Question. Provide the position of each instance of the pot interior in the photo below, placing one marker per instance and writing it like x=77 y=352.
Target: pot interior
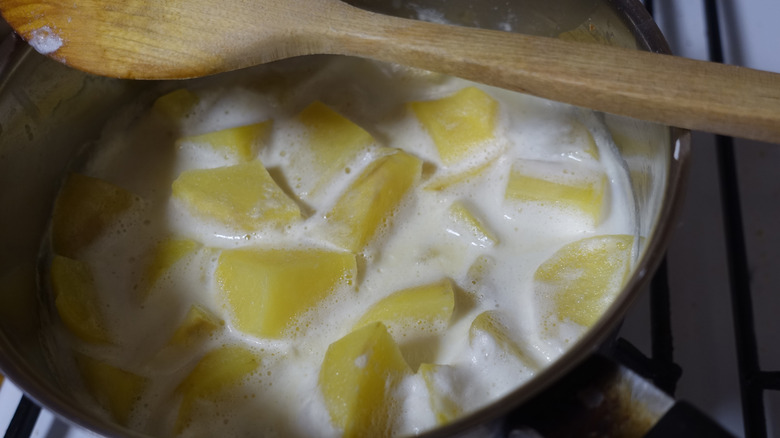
x=49 y=112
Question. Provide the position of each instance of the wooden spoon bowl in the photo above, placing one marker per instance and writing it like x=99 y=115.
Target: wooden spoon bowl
x=172 y=39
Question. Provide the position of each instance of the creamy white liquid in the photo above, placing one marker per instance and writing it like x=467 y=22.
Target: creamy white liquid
x=422 y=246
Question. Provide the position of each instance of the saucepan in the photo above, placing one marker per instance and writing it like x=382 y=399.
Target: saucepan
x=48 y=112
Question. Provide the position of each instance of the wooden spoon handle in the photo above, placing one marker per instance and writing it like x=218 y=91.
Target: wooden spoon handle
x=160 y=39
x=698 y=95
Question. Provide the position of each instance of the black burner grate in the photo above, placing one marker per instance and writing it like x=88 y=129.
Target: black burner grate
x=753 y=381
x=24 y=419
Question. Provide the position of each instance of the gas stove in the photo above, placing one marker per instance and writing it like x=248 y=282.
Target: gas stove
x=706 y=330
x=723 y=258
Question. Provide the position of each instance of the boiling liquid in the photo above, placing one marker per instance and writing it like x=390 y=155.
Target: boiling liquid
x=421 y=245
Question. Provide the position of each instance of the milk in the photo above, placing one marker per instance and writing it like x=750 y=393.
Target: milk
x=138 y=152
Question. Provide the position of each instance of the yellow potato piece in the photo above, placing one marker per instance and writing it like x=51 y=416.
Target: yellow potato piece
x=115 y=389
x=371 y=200
x=266 y=291
x=166 y=254
x=445 y=180
x=197 y=325
x=84 y=209
x=76 y=299
x=243 y=196
x=467 y=220
x=460 y=125
x=331 y=135
x=357 y=378
x=581 y=137
x=215 y=374
x=479 y=271
x=585 y=197
x=240 y=142
x=176 y=104
x=331 y=143
x=583 y=278
x=585 y=34
x=437 y=380
x=489 y=323
x=422 y=308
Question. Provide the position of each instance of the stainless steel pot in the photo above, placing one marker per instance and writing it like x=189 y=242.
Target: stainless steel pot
x=48 y=112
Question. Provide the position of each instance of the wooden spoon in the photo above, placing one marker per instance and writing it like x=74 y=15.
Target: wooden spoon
x=165 y=39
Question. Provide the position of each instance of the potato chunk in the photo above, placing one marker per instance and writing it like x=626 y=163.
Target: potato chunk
x=585 y=33
x=84 y=209
x=176 y=104
x=115 y=389
x=332 y=137
x=584 y=195
x=197 y=325
x=243 y=196
x=475 y=229
x=240 y=142
x=76 y=299
x=442 y=180
x=215 y=374
x=439 y=382
x=582 y=145
x=371 y=200
x=416 y=317
x=268 y=290
x=460 y=125
x=426 y=308
x=166 y=254
x=489 y=324
x=357 y=378
x=331 y=142
x=583 y=278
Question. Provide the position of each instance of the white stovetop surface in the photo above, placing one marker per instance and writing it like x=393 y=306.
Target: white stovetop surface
x=701 y=315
